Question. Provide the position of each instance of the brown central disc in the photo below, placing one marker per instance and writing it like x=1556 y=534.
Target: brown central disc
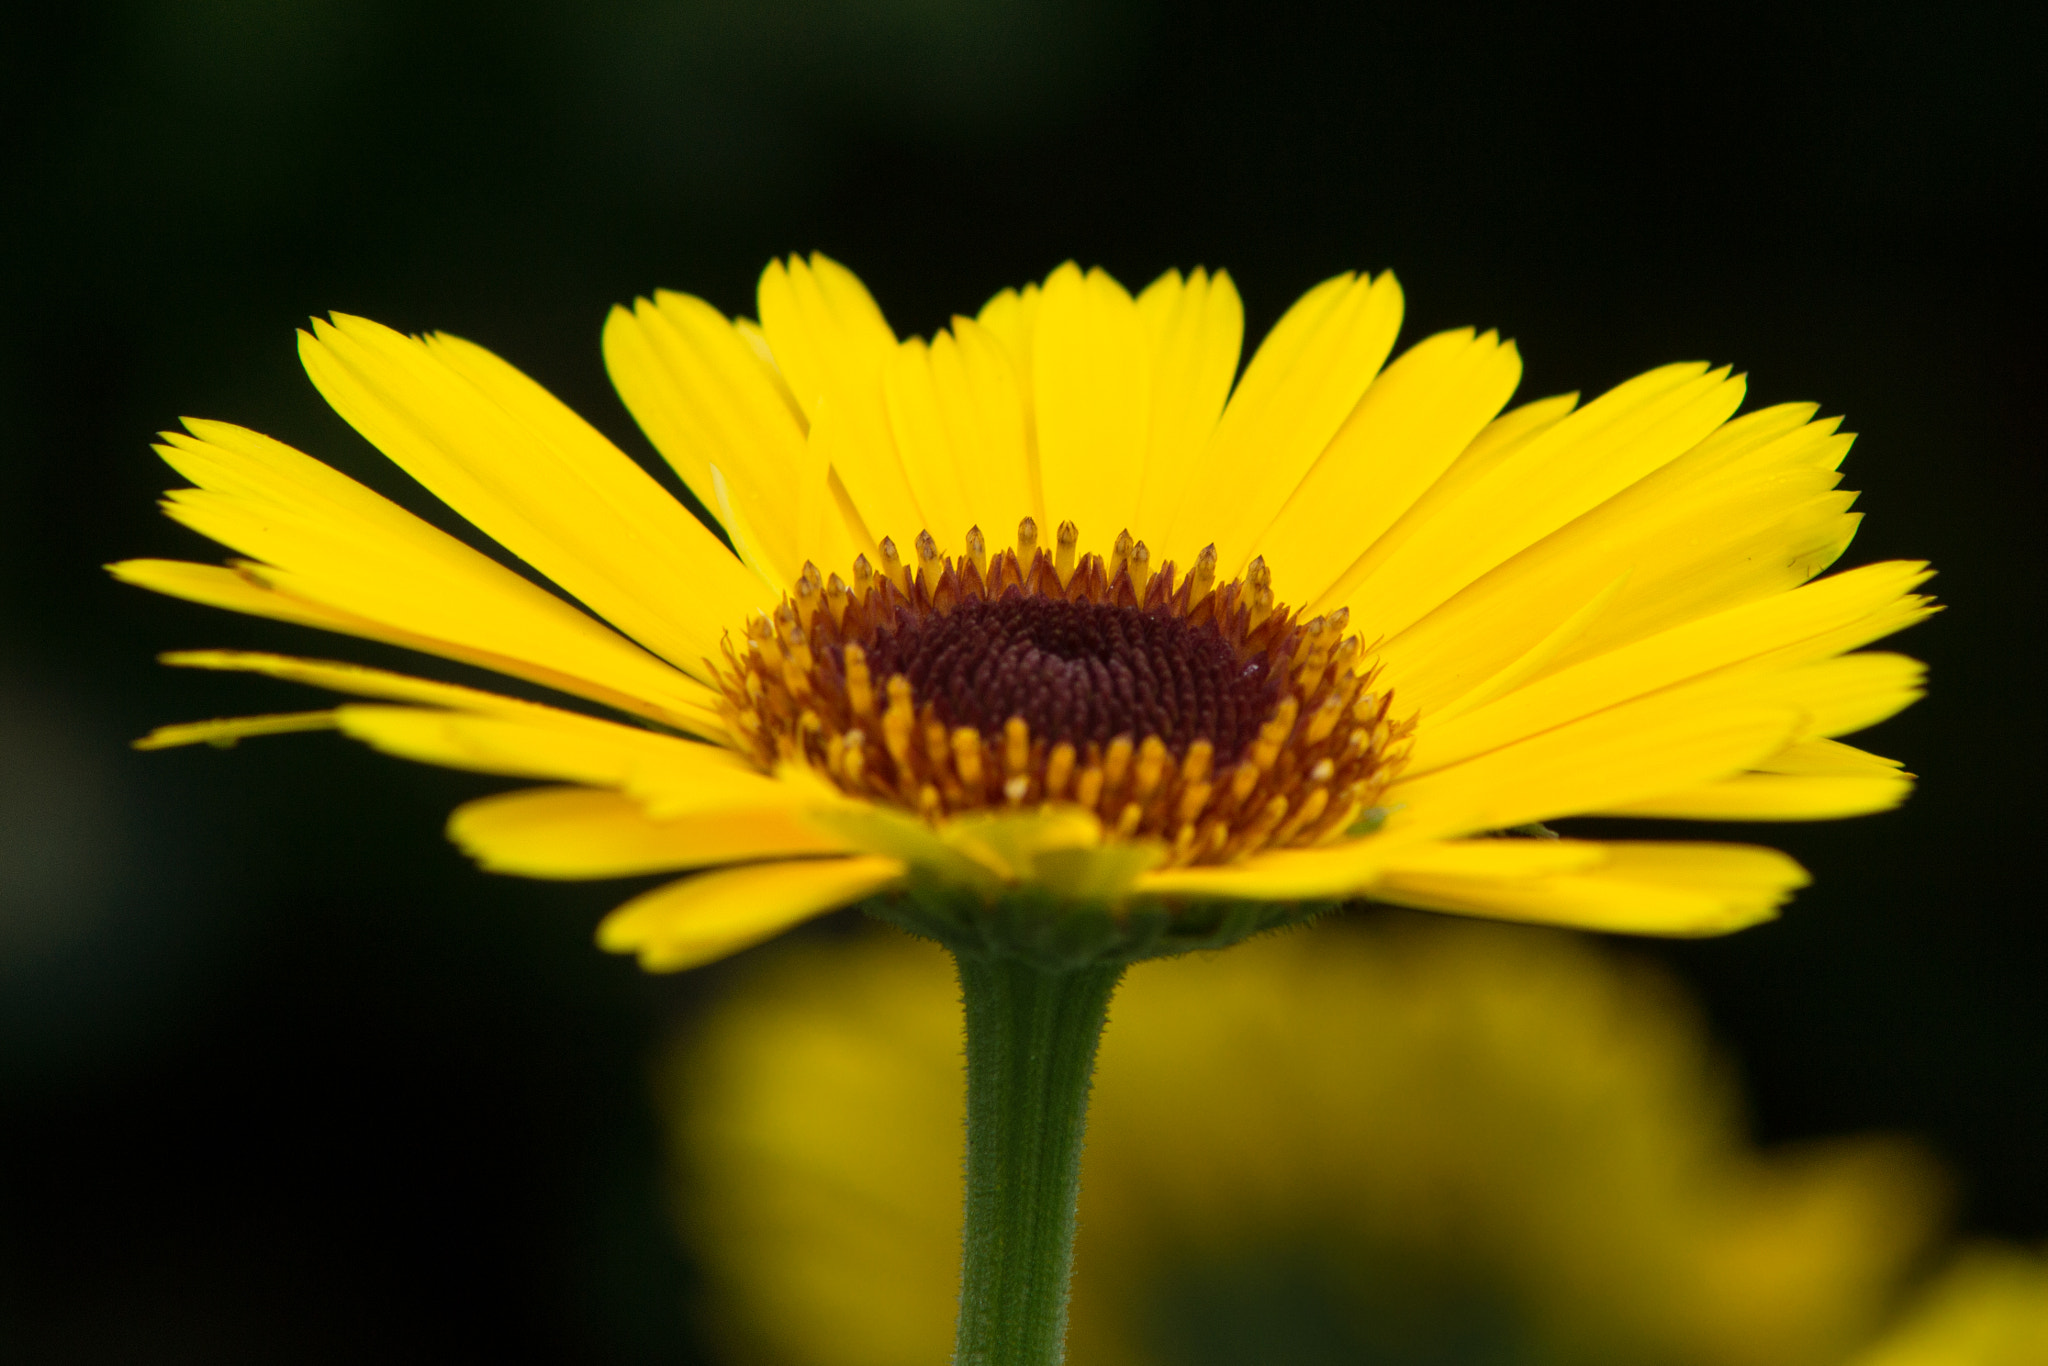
x=1080 y=671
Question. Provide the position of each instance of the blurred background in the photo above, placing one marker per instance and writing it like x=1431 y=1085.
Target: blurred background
x=283 y=1079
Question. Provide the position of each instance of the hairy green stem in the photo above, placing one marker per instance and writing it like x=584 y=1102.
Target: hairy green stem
x=1031 y=1036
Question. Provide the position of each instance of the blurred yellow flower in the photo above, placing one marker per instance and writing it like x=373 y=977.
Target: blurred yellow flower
x=1411 y=1142
x=1006 y=613
x=1989 y=1309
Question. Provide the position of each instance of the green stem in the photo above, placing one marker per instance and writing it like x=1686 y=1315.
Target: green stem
x=1031 y=1036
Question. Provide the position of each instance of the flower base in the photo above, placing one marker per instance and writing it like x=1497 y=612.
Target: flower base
x=1055 y=933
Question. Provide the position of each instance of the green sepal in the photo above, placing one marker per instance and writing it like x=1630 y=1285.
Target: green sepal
x=1036 y=925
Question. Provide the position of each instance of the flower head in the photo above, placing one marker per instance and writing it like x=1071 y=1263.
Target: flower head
x=1057 y=608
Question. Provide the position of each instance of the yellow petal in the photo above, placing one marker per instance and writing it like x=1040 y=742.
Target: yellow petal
x=1354 y=867
x=828 y=527
x=1497 y=500
x=1495 y=858
x=1829 y=613
x=581 y=832
x=239 y=590
x=1195 y=327
x=338 y=546
x=1059 y=847
x=1010 y=841
x=1010 y=319
x=1334 y=872
x=707 y=400
x=1829 y=757
x=1777 y=797
x=1516 y=426
x=1751 y=511
x=1300 y=386
x=670 y=776
x=711 y=915
x=757 y=341
x=1537 y=659
x=958 y=421
x=1416 y=417
x=1646 y=749
x=1828 y=697
x=536 y=478
x=1746 y=515
x=1629 y=887
x=831 y=344
x=1055 y=846
x=896 y=834
x=1000 y=473
x=685 y=706
x=917 y=421
x=1625 y=754
x=356 y=679
x=1091 y=373
x=823 y=327
x=1845 y=695
x=1665 y=889
x=226 y=732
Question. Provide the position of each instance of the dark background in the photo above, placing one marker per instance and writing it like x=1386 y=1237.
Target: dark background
x=282 y=1079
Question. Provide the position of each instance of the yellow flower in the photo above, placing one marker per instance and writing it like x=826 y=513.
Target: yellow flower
x=1408 y=1141
x=1050 y=606
x=1988 y=1309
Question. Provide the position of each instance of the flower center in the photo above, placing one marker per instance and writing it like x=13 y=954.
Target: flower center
x=1205 y=716
x=1081 y=672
